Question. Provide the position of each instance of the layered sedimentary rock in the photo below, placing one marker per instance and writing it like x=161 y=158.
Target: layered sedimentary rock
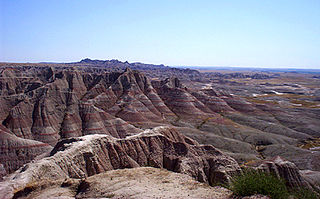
x=97 y=121
x=312 y=177
x=72 y=123
x=49 y=102
x=284 y=169
x=162 y=147
x=212 y=101
x=17 y=151
x=46 y=121
x=184 y=103
x=129 y=96
x=138 y=102
x=177 y=98
x=19 y=120
x=55 y=104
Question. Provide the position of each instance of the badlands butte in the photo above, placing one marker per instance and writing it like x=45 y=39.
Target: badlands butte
x=102 y=129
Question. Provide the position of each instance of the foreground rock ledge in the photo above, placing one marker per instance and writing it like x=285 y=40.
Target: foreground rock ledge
x=161 y=147
x=142 y=182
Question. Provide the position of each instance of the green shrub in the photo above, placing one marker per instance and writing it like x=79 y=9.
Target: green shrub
x=305 y=194
x=252 y=182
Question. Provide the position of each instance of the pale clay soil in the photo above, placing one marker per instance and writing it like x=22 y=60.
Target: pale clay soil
x=143 y=182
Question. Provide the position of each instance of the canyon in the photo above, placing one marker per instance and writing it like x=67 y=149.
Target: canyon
x=79 y=120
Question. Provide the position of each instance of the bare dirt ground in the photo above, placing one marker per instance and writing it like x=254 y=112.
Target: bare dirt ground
x=143 y=182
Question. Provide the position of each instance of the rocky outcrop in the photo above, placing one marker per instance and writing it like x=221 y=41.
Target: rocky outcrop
x=16 y=151
x=161 y=147
x=284 y=169
x=312 y=177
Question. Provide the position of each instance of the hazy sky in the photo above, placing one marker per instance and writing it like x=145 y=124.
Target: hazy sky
x=263 y=33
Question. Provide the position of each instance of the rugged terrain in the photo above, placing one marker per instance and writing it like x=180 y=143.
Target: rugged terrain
x=142 y=182
x=161 y=147
x=250 y=116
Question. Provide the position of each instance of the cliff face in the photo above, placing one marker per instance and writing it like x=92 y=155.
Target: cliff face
x=161 y=147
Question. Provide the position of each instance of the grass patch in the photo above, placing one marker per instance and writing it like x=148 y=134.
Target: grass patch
x=305 y=194
x=305 y=103
x=308 y=144
x=110 y=195
x=252 y=182
x=203 y=122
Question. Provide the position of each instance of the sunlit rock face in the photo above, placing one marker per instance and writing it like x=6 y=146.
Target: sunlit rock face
x=161 y=147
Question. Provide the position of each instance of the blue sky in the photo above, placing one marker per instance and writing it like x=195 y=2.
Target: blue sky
x=254 y=33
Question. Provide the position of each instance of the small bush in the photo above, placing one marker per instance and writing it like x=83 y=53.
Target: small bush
x=305 y=194
x=252 y=182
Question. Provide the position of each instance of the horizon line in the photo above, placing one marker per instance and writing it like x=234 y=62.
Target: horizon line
x=180 y=66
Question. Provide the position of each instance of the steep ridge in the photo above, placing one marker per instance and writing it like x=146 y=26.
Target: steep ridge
x=161 y=147
x=41 y=112
x=134 y=104
x=47 y=103
x=19 y=120
x=52 y=110
x=189 y=110
x=130 y=97
x=17 y=151
x=211 y=99
x=97 y=121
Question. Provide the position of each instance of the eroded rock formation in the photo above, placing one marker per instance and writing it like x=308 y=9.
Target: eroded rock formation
x=50 y=102
x=17 y=151
x=161 y=147
x=284 y=169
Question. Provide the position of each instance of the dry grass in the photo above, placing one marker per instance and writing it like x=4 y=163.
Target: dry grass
x=305 y=103
x=310 y=144
x=295 y=100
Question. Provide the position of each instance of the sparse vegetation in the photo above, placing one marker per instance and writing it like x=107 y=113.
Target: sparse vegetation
x=110 y=195
x=252 y=182
x=305 y=194
x=308 y=144
x=305 y=103
x=202 y=123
